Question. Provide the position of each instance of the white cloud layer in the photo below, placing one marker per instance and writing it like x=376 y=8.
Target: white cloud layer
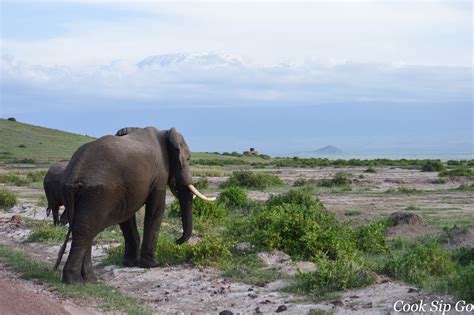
x=410 y=32
x=209 y=79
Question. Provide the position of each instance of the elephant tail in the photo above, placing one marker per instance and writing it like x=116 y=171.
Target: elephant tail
x=68 y=196
x=63 y=248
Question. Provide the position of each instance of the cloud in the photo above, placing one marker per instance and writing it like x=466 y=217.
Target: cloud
x=209 y=79
x=412 y=32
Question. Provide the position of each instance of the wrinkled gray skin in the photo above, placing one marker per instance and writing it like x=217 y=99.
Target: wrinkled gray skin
x=109 y=179
x=52 y=189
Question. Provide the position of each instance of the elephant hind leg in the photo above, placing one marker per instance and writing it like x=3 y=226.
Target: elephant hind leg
x=72 y=271
x=87 y=271
x=132 y=242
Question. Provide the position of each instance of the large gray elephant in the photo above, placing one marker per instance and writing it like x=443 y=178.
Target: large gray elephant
x=109 y=179
x=52 y=189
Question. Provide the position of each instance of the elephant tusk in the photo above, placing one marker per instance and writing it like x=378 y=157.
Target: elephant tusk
x=198 y=194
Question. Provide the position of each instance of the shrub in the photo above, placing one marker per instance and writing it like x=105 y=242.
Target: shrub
x=460 y=171
x=432 y=166
x=297 y=197
x=233 y=197
x=300 y=231
x=333 y=276
x=47 y=232
x=253 y=180
x=418 y=262
x=211 y=250
x=22 y=146
x=201 y=209
x=340 y=179
x=370 y=169
x=7 y=199
x=201 y=183
x=463 y=256
x=300 y=182
x=370 y=238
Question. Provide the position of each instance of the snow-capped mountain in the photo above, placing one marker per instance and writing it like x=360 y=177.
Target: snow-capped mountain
x=199 y=58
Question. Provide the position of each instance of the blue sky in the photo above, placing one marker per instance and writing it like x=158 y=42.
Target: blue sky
x=369 y=77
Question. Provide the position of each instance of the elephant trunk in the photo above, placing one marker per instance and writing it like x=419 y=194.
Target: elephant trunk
x=186 y=205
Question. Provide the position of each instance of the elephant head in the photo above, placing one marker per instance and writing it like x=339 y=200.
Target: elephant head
x=180 y=180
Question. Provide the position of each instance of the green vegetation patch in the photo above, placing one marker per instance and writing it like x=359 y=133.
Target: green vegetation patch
x=107 y=297
x=252 y=180
x=233 y=197
x=432 y=166
x=7 y=199
x=201 y=210
x=460 y=171
x=43 y=231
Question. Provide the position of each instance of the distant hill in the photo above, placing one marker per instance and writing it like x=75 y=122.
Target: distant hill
x=25 y=143
x=327 y=150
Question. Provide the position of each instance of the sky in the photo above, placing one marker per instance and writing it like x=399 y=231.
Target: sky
x=375 y=78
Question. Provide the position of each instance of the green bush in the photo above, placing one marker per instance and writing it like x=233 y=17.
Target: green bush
x=211 y=251
x=339 y=180
x=295 y=196
x=47 y=232
x=298 y=230
x=201 y=209
x=460 y=171
x=417 y=262
x=432 y=166
x=330 y=276
x=463 y=256
x=252 y=180
x=302 y=182
x=201 y=183
x=233 y=197
x=7 y=199
x=370 y=169
x=370 y=238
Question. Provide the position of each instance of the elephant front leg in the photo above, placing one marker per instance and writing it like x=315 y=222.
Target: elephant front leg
x=154 y=210
x=132 y=242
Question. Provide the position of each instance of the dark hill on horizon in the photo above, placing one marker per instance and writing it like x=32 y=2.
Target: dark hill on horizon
x=327 y=150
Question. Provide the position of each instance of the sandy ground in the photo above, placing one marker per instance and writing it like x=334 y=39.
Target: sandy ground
x=186 y=289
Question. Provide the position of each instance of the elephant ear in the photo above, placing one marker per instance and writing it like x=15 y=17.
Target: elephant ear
x=177 y=142
x=125 y=131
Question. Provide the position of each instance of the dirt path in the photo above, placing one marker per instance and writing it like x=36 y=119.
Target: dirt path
x=22 y=297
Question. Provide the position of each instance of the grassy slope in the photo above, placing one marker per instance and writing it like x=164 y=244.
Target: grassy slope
x=43 y=145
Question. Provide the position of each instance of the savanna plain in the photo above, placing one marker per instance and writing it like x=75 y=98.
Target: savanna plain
x=285 y=235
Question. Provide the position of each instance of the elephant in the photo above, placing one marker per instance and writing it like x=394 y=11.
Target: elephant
x=106 y=183
x=52 y=189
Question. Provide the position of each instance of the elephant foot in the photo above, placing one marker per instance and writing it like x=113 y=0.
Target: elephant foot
x=130 y=261
x=72 y=278
x=148 y=263
x=89 y=277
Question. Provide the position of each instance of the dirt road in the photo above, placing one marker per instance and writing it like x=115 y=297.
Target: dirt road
x=22 y=297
